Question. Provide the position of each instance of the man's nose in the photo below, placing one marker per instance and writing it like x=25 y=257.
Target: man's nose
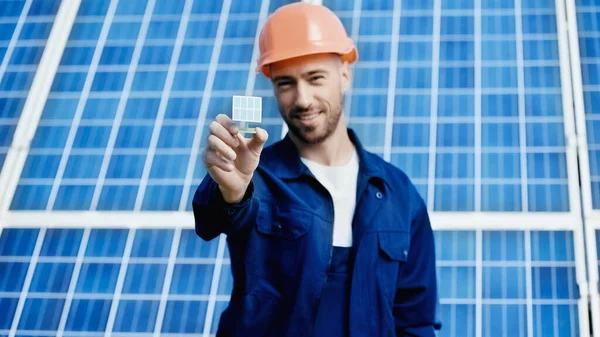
x=302 y=96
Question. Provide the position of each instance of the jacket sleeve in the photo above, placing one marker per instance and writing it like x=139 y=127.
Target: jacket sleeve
x=416 y=303
x=214 y=216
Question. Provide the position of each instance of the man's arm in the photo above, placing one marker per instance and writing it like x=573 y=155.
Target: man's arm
x=416 y=301
x=214 y=216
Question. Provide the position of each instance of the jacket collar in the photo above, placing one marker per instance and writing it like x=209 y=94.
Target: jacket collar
x=288 y=165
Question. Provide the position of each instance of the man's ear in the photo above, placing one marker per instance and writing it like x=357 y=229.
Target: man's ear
x=346 y=76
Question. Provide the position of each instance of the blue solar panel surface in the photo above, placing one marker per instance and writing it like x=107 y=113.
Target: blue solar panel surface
x=24 y=28
x=471 y=97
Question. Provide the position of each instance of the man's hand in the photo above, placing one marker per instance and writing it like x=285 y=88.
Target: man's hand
x=231 y=159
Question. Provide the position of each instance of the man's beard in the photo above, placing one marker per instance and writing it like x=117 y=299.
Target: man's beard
x=304 y=134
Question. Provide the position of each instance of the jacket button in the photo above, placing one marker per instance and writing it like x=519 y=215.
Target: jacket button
x=231 y=212
x=276 y=228
x=378 y=195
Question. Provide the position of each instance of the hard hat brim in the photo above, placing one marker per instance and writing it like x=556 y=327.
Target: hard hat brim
x=346 y=49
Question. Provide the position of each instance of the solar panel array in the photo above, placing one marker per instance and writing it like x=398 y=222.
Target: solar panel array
x=463 y=95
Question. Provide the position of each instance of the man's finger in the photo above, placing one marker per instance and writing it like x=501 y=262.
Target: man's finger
x=218 y=145
x=212 y=159
x=227 y=123
x=221 y=132
x=258 y=140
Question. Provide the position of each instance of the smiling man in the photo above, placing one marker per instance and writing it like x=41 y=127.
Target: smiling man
x=325 y=238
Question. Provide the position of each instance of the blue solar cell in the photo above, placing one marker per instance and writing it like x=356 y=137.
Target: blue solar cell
x=152 y=242
x=117 y=198
x=369 y=133
x=168 y=166
x=206 y=7
x=51 y=277
x=131 y=7
x=141 y=108
x=463 y=77
x=190 y=246
x=156 y=55
x=68 y=81
x=149 y=81
x=462 y=327
x=192 y=279
x=459 y=282
x=548 y=197
x=237 y=53
x=50 y=137
x=338 y=5
x=230 y=80
x=126 y=166
x=41 y=314
x=11 y=107
x=100 y=109
x=501 y=198
x=35 y=30
x=500 y=165
x=43 y=7
x=457 y=51
x=6 y=31
x=413 y=51
x=116 y=55
x=504 y=282
x=455 y=134
x=144 y=278
x=452 y=25
x=458 y=4
x=542 y=76
x=497 y=25
x=15 y=81
x=541 y=50
x=454 y=197
x=539 y=24
x=241 y=28
x=162 y=197
x=543 y=105
x=195 y=54
x=378 y=25
x=416 y=25
x=454 y=165
x=183 y=108
x=547 y=165
x=546 y=316
x=85 y=31
x=124 y=30
x=371 y=78
x=176 y=136
x=497 y=105
x=93 y=7
x=88 y=315
x=2 y=158
x=413 y=164
x=6 y=135
x=8 y=306
x=546 y=279
x=11 y=8
x=545 y=134
x=552 y=246
x=225 y=281
x=61 y=242
x=498 y=50
x=410 y=134
x=108 y=81
x=456 y=105
x=12 y=276
x=106 y=242
x=188 y=322
x=412 y=105
x=504 y=319
x=162 y=29
x=77 y=56
x=205 y=29
x=31 y=197
x=2 y=53
x=169 y=7
x=144 y=311
x=74 y=197
x=497 y=4
x=98 y=278
x=92 y=137
x=500 y=134
x=134 y=136
x=368 y=105
x=188 y=81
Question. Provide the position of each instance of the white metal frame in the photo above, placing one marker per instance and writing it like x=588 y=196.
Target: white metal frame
x=574 y=115
x=591 y=216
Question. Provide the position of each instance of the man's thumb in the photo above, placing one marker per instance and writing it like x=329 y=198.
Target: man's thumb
x=258 y=140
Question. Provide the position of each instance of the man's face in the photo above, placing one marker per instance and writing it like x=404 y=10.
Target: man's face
x=310 y=92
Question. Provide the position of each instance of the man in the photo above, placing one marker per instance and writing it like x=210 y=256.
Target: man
x=325 y=238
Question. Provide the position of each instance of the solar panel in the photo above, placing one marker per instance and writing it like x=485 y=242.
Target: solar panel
x=464 y=96
x=247 y=109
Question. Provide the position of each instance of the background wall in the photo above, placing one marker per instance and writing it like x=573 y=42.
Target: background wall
x=490 y=106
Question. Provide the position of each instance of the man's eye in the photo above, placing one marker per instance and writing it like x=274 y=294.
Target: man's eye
x=316 y=78
x=283 y=84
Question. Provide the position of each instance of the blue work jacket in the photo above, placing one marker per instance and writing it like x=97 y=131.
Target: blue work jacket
x=280 y=240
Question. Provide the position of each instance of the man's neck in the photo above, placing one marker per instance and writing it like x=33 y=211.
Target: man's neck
x=336 y=150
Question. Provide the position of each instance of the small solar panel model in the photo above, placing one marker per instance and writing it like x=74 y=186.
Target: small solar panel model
x=247 y=109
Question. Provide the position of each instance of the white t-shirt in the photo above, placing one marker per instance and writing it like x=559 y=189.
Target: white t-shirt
x=340 y=181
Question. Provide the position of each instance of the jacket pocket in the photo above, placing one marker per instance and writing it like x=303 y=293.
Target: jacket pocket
x=394 y=245
x=280 y=222
x=250 y=315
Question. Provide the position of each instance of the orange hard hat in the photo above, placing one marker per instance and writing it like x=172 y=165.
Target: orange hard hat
x=300 y=29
